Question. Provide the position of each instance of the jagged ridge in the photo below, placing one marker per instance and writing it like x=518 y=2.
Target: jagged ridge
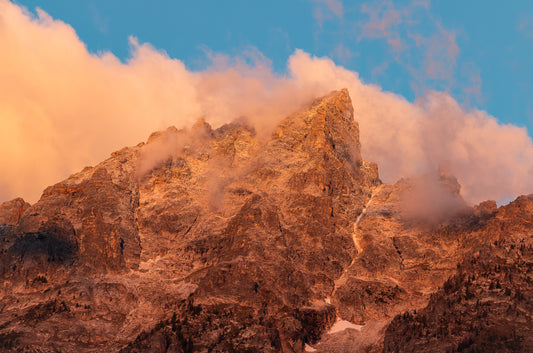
x=219 y=240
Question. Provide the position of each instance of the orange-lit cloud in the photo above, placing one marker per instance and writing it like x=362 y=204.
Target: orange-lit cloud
x=62 y=108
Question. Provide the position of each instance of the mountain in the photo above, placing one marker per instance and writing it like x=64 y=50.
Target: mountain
x=227 y=240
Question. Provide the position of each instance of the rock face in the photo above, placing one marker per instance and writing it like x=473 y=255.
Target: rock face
x=221 y=240
x=11 y=211
x=486 y=306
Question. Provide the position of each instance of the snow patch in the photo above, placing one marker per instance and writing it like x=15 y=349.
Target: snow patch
x=341 y=325
x=308 y=348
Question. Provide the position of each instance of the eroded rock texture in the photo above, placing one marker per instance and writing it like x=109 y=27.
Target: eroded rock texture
x=486 y=306
x=222 y=240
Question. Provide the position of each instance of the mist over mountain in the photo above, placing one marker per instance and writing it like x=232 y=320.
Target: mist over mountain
x=63 y=108
x=231 y=239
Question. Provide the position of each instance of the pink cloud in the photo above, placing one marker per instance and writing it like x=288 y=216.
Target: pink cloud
x=334 y=6
x=472 y=90
x=441 y=54
x=429 y=56
x=342 y=53
x=525 y=25
x=396 y=44
x=383 y=17
x=327 y=9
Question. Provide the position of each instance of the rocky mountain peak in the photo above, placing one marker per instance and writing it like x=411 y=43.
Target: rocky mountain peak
x=222 y=240
x=326 y=127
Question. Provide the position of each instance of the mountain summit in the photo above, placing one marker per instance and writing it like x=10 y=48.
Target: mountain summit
x=222 y=240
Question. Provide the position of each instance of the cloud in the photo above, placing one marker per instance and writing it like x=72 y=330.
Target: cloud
x=62 y=108
x=472 y=88
x=525 y=24
x=100 y=23
x=342 y=53
x=327 y=9
x=383 y=18
x=441 y=54
x=417 y=40
x=432 y=197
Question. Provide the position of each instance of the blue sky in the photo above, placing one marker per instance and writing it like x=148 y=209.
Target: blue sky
x=478 y=51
